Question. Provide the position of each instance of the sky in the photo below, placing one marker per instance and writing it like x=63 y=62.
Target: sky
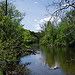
x=35 y=12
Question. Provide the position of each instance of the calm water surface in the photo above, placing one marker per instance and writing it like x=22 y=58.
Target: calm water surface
x=51 y=62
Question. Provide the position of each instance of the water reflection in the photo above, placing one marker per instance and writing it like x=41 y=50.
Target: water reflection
x=47 y=61
x=61 y=58
x=51 y=61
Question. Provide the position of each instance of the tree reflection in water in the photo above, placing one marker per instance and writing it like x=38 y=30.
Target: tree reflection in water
x=63 y=58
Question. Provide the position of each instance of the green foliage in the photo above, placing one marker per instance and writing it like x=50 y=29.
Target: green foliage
x=14 y=40
x=13 y=37
x=61 y=35
x=10 y=39
x=49 y=35
x=1 y=72
x=12 y=12
x=66 y=30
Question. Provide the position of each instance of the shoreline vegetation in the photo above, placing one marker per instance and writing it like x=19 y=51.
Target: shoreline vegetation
x=61 y=35
x=15 y=41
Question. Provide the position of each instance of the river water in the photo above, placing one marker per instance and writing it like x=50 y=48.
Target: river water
x=51 y=61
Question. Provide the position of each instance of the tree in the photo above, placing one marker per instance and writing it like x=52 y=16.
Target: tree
x=61 y=35
x=11 y=11
x=49 y=34
x=6 y=7
x=12 y=37
x=66 y=29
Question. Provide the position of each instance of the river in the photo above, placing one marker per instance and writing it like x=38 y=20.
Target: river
x=51 y=61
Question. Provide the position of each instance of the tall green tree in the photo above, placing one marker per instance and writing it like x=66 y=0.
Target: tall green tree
x=49 y=34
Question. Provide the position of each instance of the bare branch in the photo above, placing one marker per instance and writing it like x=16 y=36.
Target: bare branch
x=62 y=5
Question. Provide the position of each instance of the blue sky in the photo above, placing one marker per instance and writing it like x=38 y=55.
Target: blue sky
x=35 y=11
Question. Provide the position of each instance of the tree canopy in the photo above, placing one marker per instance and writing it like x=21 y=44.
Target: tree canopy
x=61 y=35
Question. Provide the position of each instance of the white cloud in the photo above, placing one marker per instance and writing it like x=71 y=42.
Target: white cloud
x=37 y=27
x=35 y=20
x=35 y=2
x=59 y=20
x=44 y=20
x=65 y=5
x=47 y=19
